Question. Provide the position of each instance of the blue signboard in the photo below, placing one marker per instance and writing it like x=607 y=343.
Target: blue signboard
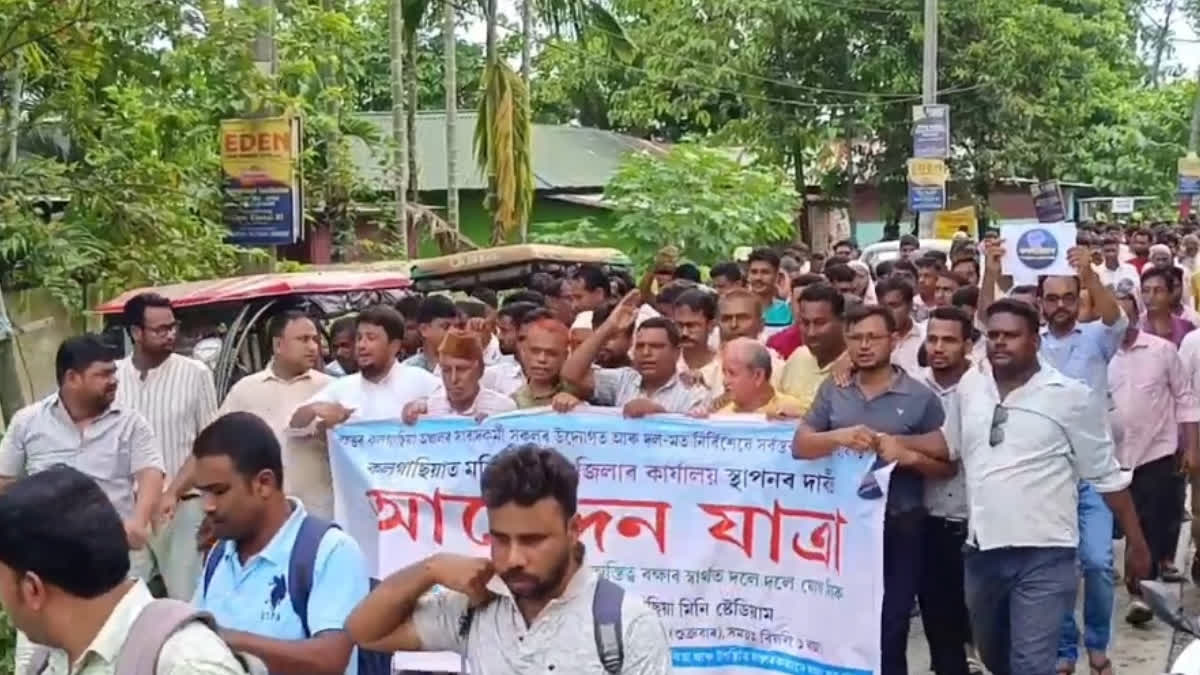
x=923 y=198
x=931 y=131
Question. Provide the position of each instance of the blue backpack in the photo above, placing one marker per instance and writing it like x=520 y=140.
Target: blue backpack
x=301 y=568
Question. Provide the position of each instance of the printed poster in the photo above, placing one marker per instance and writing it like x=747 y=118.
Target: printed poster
x=261 y=185
x=1031 y=251
x=756 y=562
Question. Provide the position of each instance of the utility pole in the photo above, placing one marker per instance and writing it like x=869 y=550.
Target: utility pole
x=929 y=90
x=399 y=132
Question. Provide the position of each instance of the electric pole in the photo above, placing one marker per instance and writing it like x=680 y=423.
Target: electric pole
x=929 y=91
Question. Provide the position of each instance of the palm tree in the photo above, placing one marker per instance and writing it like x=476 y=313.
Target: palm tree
x=399 y=133
x=449 y=76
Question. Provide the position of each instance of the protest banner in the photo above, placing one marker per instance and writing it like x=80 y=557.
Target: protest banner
x=1035 y=250
x=261 y=186
x=754 y=560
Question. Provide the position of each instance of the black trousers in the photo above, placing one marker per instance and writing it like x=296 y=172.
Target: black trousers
x=902 y=553
x=1155 y=491
x=942 y=598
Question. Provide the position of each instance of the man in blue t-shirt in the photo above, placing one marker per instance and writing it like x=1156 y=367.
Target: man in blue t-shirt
x=247 y=587
x=763 y=279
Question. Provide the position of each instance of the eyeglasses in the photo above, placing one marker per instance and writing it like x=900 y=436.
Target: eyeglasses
x=999 y=417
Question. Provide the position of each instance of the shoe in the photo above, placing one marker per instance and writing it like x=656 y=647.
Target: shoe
x=1139 y=613
x=1196 y=569
x=1169 y=574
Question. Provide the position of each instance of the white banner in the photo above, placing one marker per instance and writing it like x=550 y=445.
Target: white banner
x=754 y=560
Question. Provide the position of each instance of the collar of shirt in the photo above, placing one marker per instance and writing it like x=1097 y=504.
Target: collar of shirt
x=278 y=551
x=899 y=384
x=112 y=635
x=1142 y=341
x=420 y=360
x=268 y=374
x=926 y=378
x=55 y=406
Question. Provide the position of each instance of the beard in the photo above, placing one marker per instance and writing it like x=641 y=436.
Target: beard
x=539 y=588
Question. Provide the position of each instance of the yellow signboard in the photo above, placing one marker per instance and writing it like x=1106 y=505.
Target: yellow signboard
x=947 y=223
x=927 y=172
x=1189 y=166
x=260 y=165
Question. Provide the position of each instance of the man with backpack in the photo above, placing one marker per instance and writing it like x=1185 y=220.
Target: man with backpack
x=64 y=581
x=279 y=581
x=534 y=607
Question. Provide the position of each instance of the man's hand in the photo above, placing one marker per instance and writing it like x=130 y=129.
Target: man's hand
x=890 y=449
x=700 y=412
x=166 y=507
x=858 y=437
x=1137 y=561
x=623 y=316
x=1189 y=464
x=478 y=327
x=787 y=411
x=137 y=534
x=564 y=402
x=331 y=414
x=993 y=255
x=641 y=407
x=842 y=370
x=464 y=574
x=1080 y=257
x=413 y=411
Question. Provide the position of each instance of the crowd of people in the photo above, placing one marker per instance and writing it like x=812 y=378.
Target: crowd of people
x=1031 y=421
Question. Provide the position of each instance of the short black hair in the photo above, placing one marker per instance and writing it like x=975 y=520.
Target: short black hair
x=532 y=297
x=280 y=322
x=688 y=271
x=670 y=293
x=952 y=276
x=664 y=324
x=526 y=474
x=730 y=270
x=79 y=352
x=904 y=265
x=534 y=315
x=435 y=307
x=246 y=440
x=593 y=279
x=343 y=325
x=909 y=240
x=472 y=309
x=931 y=259
x=844 y=242
x=385 y=317
x=967 y=296
x=884 y=268
x=59 y=525
x=1019 y=309
x=823 y=292
x=134 y=312
x=540 y=282
x=971 y=260
x=485 y=295
x=409 y=306
x=698 y=300
x=516 y=310
x=766 y=255
x=840 y=272
x=1042 y=283
x=1170 y=280
x=1023 y=289
x=957 y=315
x=621 y=281
x=804 y=280
x=859 y=313
x=895 y=285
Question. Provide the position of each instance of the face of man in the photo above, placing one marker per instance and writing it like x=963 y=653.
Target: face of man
x=821 y=328
x=583 y=300
x=943 y=291
x=1139 y=244
x=532 y=546
x=1011 y=346
x=843 y=253
x=694 y=327
x=664 y=276
x=847 y=288
x=434 y=332
x=506 y=335
x=926 y=279
x=95 y=386
x=907 y=251
x=560 y=305
x=723 y=284
x=762 y=277
x=543 y=354
x=869 y=343
x=1156 y=295
x=1112 y=252
x=967 y=270
x=1162 y=259
x=298 y=347
x=374 y=351
x=233 y=504
x=900 y=309
x=653 y=355
x=461 y=379
x=742 y=383
x=412 y=337
x=1191 y=247
x=615 y=352
x=739 y=317
x=906 y=276
x=156 y=335
x=343 y=350
x=945 y=345
x=1060 y=302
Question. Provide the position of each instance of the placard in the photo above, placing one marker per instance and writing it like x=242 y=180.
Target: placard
x=1048 y=202
x=755 y=561
x=1037 y=250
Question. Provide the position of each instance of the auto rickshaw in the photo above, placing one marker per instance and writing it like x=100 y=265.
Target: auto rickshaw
x=507 y=267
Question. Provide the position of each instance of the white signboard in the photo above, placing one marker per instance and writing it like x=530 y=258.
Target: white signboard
x=1031 y=251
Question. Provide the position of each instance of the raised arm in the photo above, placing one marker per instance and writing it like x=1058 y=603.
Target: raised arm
x=577 y=369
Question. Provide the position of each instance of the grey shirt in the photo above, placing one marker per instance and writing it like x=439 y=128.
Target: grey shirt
x=618 y=386
x=559 y=640
x=907 y=408
x=111 y=449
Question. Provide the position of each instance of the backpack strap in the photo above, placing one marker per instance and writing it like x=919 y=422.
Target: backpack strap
x=606 y=622
x=156 y=623
x=303 y=563
x=211 y=562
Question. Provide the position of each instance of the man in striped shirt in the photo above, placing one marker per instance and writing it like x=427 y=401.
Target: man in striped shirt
x=177 y=397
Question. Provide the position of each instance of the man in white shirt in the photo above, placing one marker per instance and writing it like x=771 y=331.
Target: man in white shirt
x=381 y=387
x=1026 y=435
x=1189 y=354
x=177 y=396
x=460 y=363
x=1117 y=275
x=897 y=297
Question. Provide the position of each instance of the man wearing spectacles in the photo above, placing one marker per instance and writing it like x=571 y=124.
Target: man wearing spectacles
x=177 y=396
x=1027 y=435
x=884 y=410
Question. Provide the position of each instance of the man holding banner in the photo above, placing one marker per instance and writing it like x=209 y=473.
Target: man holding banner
x=532 y=605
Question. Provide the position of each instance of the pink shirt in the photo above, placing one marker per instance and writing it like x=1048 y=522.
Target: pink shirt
x=1151 y=394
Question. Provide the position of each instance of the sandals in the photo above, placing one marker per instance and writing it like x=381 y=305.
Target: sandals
x=1103 y=668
